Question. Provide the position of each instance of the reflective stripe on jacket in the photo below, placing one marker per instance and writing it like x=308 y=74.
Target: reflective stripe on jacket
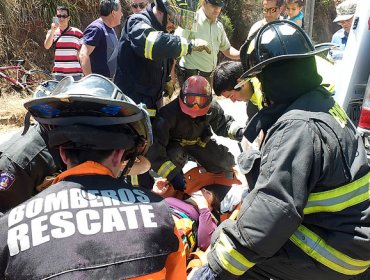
x=312 y=191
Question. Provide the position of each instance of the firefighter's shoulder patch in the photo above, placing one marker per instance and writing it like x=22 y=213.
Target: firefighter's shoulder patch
x=6 y=180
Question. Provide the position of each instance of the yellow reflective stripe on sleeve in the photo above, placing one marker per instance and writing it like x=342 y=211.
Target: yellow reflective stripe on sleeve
x=166 y=168
x=184 y=47
x=314 y=246
x=151 y=112
x=184 y=142
x=339 y=198
x=149 y=43
x=134 y=180
x=231 y=260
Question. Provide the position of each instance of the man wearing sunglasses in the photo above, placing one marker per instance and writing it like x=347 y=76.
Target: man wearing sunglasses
x=138 y=5
x=271 y=10
x=184 y=127
x=66 y=40
x=211 y=30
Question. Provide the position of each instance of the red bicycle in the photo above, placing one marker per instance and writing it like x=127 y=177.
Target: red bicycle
x=22 y=79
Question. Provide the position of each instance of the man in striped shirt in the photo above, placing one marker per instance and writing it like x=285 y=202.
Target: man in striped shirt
x=66 y=41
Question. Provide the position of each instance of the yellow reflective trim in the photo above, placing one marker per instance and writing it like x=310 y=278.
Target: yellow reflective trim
x=151 y=112
x=198 y=141
x=184 y=47
x=149 y=44
x=166 y=168
x=134 y=180
x=230 y=258
x=339 y=262
x=315 y=198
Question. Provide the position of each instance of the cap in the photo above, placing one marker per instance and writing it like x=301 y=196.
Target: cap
x=218 y=3
x=345 y=10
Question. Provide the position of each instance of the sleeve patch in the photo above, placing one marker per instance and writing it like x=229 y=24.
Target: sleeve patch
x=6 y=180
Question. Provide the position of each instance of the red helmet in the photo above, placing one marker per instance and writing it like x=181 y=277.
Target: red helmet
x=195 y=96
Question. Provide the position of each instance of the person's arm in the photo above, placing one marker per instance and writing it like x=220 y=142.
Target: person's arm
x=272 y=212
x=155 y=45
x=49 y=39
x=223 y=124
x=84 y=56
x=232 y=53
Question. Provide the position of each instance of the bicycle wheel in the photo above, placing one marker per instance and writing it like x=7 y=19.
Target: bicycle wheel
x=33 y=78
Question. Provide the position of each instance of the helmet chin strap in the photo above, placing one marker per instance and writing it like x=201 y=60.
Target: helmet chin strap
x=130 y=163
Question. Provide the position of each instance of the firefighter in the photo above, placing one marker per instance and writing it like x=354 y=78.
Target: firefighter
x=308 y=214
x=147 y=49
x=184 y=127
x=89 y=224
x=26 y=163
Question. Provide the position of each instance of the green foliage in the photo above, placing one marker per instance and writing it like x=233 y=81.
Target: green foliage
x=228 y=25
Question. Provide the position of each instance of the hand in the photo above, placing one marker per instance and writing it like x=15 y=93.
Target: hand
x=199 y=199
x=199 y=45
x=54 y=27
x=203 y=273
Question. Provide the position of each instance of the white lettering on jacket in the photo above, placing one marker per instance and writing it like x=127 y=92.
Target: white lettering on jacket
x=40 y=220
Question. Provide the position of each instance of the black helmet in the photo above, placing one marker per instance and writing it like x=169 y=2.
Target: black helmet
x=277 y=40
x=92 y=106
x=182 y=13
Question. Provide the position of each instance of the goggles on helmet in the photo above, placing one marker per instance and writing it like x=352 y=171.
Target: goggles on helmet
x=200 y=99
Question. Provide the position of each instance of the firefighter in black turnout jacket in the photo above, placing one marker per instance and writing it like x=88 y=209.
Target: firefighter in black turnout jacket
x=26 y=163
x=308 y=215
x=184 y=127
x=90 y=224
x=147 y=49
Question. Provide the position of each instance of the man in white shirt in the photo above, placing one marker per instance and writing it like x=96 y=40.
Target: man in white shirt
x=211 y=30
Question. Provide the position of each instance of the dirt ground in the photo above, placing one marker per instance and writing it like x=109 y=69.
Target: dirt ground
x=11 y=110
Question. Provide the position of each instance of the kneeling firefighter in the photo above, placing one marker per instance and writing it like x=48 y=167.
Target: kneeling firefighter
x=308 y=215
x=90 y=224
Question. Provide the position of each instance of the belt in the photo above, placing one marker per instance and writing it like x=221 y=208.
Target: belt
x=191 y=72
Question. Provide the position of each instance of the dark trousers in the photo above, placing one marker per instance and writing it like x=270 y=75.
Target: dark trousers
x=183 y=73
x=213 y=157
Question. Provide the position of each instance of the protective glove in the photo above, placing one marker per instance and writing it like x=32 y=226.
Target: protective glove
x=239 y=134
x=204 y=273
x=178 y=182
x=198 y=45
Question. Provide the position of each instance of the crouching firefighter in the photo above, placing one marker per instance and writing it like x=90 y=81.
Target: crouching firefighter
x=308 y=215
x=184 y=127
x=89 y=224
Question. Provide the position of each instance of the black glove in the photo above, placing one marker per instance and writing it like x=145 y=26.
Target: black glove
x=178 y=182
x=204 y=273
x=239 y=134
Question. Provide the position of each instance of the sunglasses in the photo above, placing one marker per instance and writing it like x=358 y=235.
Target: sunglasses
x=62 y=16
x=270 y=10
x=140 y=5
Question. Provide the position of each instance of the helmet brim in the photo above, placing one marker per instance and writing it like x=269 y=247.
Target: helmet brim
x=63 y=107
x=259 y=67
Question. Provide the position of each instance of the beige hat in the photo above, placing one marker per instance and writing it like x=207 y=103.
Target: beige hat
x=345 y=10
